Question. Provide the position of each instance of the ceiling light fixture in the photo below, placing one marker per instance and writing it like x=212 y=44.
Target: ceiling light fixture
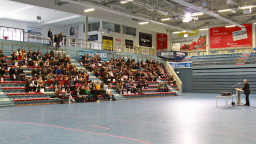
x=225 y=10
x=204 y=29
x=246 y=7
x=176 y=32
x=89 y=10
x=197 y=14
x=230 y=26
x=142 y=23
x=125 y=1
x=166 y=19
x=187 y=18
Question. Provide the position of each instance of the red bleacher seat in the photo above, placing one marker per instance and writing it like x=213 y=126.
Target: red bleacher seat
x=149 y=93
x=10 y=94
x=13 y=82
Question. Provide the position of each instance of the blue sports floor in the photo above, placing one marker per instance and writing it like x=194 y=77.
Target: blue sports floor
x=187 y=119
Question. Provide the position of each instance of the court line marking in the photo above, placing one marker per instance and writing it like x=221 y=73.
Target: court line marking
x=99 y=127
x=116 y=136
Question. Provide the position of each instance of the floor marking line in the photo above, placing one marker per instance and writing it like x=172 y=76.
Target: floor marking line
x=99 y=127
x=77 y=130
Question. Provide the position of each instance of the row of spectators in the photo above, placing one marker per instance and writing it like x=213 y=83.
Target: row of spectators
x=59 y=73
x=129 y=76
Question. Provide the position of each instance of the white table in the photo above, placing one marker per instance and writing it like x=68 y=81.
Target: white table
x=226 y=97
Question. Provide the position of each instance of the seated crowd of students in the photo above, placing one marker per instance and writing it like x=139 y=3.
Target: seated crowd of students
x=58 y=72
x=130 y=77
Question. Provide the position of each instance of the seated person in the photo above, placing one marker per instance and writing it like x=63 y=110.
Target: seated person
x=133 y=88
x=72 y=84
x=58 y=93
x=12 y=73
x=3 y=63
x=97 y=87
x=20 y=74
x=35 y=60
x=20 y=59
x=27 y=86
x=82 y=94
x=139 y=87
x=2 y=73
x=160 y=87
x=41 y=87
x=50 y=79
x=166 y=88
x=119 y=87
x=171 y=80
x=34 y=84
x=108 y=94
x=68 y=94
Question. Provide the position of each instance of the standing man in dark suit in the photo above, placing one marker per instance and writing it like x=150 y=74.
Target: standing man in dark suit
x=246 y=90
x=50 y=36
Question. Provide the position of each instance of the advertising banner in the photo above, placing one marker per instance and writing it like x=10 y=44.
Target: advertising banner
x=103 y=55
x=107 y=43
x=33 y=30
x=176 y=65
x=161 y=41
x=129 y=43
x=226 y=37
x=145 y=39
x=74 y=31
x=189 y=41
x=172 y=55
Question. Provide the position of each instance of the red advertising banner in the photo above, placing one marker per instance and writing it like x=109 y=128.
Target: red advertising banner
x=225 y=37
x=161 y=41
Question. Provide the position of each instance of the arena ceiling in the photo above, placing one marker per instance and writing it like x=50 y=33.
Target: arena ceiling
x=174 y=13
x=131 y=12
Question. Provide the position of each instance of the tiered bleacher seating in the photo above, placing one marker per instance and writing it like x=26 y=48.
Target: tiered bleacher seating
x=152 y=90
x=251 y=58
x=15 y=90
x=221 y=59
x=209 y=77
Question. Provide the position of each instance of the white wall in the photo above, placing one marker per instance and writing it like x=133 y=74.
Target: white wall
x=24 y=25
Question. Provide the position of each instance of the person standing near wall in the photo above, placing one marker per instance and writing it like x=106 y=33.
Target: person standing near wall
x=50 y=36
x=246 y=90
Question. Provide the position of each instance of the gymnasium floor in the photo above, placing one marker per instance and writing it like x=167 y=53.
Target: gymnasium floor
x=187 y=119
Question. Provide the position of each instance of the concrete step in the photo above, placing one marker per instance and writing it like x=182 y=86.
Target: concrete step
x=7 y=105
x=4 y=99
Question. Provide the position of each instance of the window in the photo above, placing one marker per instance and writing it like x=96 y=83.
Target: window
x=111 y=27
x=11 y=34
x=129 y=30
x=93 y=26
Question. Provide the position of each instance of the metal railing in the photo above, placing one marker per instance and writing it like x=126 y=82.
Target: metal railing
x=82 y=43
x=176 y=77
x=220 y=51
x=8 y=48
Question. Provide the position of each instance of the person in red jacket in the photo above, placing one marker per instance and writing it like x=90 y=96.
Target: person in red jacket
x=19 y=58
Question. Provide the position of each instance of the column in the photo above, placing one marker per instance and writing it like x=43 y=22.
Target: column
x=122 y=38
x=253 y=36
x=208 y=42
x=100 y=34
x=169 y=35
x=86 y=31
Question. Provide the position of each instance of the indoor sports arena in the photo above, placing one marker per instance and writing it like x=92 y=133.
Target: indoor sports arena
x=127 y=71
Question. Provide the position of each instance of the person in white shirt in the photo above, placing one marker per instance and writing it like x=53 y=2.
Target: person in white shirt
x=108 y=93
